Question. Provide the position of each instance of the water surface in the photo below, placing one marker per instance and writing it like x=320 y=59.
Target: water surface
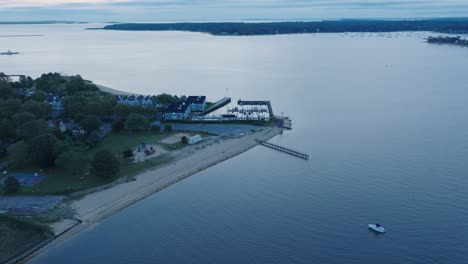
x=383 y=117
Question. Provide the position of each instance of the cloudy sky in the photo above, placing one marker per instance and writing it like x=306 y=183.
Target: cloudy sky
x=216 y=10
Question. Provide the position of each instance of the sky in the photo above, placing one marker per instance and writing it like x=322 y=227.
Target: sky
x=225 y=10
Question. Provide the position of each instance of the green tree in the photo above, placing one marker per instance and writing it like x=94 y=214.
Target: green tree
x=41 y=150
x=22 y=117
x=18 y=155
x=105 y=164
x=9 y=107
x=7 y=129
x=40 y=109
x=118 y=125
x=137 y=122
x=26 y=81
x=91 y=123
x=5 y=90
x=32 y=128
x=38 y=96
x=75 y=84
x=74 y=105
x=74 y=162
x=11 y=185
x=60 y=146
x=93 y=108
x=166 y=98
x=168 y=127
x=121 y=109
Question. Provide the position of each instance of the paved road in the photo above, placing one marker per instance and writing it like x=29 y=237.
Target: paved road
x=229 y=130
x=28 y=204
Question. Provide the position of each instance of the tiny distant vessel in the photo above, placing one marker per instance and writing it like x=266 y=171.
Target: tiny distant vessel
x=376 y=228
x=9 y=53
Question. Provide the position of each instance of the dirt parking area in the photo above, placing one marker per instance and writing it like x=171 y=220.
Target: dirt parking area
x=174 y=138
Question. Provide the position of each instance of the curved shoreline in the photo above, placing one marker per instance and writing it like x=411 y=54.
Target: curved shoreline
x=95 y=207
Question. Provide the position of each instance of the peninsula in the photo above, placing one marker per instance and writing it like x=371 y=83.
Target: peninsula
x=448 y=40
x=274 y=28
x=77 y=152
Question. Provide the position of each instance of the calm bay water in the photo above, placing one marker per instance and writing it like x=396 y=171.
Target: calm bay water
x=384 y=118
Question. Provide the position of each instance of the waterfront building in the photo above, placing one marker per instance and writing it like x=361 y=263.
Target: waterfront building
x=177 y=111
x=197 y=103
x=141 y=100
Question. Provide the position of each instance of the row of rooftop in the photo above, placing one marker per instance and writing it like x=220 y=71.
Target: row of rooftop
x=183 y=110
x=180 y=110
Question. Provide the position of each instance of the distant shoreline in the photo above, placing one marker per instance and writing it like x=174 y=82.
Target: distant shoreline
x=457 y=41
x=39 y=22
x=20 y=36
x=459 y=26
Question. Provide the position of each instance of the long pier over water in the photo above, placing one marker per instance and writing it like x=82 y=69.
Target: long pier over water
x=291 y=152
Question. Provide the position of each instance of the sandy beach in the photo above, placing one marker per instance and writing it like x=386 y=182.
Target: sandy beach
x=95 y=207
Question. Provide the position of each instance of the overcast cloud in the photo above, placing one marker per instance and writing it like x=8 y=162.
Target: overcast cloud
x=216 y=10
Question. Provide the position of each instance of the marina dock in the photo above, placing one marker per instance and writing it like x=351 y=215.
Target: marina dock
x=279 y=148
x=216 y=106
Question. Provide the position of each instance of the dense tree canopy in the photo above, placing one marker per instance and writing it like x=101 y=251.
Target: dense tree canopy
x=40 y=109
x=91 y=123
x=7 y=129
x=41 y=150
x=105 y=164
x=5 y=90
x=22 y=117
x=137 y=122
x=9 y=107
x=36 y=133
x=32 y=129
x=18 y=155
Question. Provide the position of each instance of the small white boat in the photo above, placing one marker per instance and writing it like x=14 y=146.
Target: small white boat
x=376 y=228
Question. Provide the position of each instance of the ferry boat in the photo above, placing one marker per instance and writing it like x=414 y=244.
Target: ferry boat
x=9 y=53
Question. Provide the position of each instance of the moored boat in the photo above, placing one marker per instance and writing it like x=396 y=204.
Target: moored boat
x=376 y=228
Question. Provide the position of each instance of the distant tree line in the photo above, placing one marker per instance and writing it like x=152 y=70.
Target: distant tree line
x=338 y=26
x=448 y=40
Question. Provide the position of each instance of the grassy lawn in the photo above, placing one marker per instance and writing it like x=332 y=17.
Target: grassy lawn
x=58 y=182
x=17 y=236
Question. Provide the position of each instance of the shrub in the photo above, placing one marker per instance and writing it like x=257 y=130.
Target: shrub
x=11 y=185
x=156 y=128
x=137 y=122
x=127 y=153
x=105 y=164
x=168 y=127
x=118 y=125
x=184 y=140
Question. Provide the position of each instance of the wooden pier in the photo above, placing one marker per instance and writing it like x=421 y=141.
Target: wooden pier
x=291 y=152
